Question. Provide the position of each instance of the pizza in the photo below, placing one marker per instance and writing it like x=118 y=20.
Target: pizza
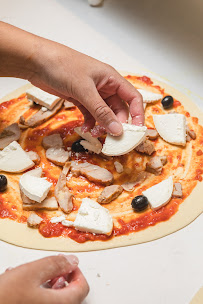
x=65 y=190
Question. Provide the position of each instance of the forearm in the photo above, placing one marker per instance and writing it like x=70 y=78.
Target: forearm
x=16 y=51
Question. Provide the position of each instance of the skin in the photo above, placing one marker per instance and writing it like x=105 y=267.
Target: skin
x=99 y=91
x=103 y=96
x=25 y=282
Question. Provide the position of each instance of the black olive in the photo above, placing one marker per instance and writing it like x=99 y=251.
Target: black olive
x=3 y=183
x=77 y=147
x=167 y=102
x=140 y=203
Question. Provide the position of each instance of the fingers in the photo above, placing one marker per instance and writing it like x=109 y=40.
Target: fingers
x=74 y=293
x=100 y=110
x=119 y=107
x=126 y=91
x=47 y=268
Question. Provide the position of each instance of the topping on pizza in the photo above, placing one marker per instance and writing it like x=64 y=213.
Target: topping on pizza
x=149 y=97
x=93 y=173
x=172 y=128
x=14 y=159
x=119 y=145
x=52 y=141
x=34 y=220
x=9 y=134
x=90 y=143
x=160 y=194
x=92 y=217
x=34 y=157
x=42 y=98
x=109 y=194
x=57 y=155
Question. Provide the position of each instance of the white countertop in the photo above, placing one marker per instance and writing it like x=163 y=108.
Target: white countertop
x=136 y=36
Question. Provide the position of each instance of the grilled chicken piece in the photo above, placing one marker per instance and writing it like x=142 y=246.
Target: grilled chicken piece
x=9 y=134
x=68 y=105
x=152 y=134
x=190 y=134
x=52 y=141
x=118 y=167
x=34 y=157
x=92 y=172
x=177 y=190
x=49 y=203
x=62 y=194
x=130 y=185
x=41 y=116
x=58 y=156
x=156 y=163
x=34 y=220
x=109 y=194
x=146 y=147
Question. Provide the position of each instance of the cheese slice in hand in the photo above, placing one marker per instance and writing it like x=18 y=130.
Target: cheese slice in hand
x=119 y=145
x=14 y=159
x=159 y=194
x=94 y=218
x=171 y=127
x=35 y=188
x=149 y=97
x=42 y=98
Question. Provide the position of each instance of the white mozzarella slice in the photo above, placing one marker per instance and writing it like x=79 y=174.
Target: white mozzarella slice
x=94 y=218
x=150 y=97
x=171 y=127
x=67 y=223
x=14 y=159
x=35 y=172
x=42 y=98
x=57 y=219
x=119 y=145
x=160 y=194
x=35 y=188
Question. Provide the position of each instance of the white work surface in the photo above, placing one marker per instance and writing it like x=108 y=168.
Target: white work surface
x=165 y=38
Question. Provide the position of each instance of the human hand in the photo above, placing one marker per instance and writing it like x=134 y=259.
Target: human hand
x=23 y=284
x=99 y=91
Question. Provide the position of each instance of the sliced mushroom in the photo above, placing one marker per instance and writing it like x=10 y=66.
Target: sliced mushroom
x=62 y=194
x=34 y=220
x=9 y=134
x=190 y=134
x=109 y=194
x=41 y=116
x=51 y=141
x=58 y=156
x=90 y=143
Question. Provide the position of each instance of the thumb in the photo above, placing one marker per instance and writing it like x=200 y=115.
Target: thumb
x=40 y=271
x=103 y=114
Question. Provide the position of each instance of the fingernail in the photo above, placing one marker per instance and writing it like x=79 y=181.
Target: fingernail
x=72 y=259
x=115 y=128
